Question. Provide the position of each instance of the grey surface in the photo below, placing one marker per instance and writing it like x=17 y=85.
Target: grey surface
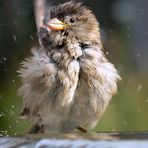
x=103 y=140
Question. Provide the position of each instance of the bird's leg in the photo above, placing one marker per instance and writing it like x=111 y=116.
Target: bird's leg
x=36 y=129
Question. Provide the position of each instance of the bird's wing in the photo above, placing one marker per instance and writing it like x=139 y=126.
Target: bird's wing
x=38 y=77
x=46 y=83
x=97 y=84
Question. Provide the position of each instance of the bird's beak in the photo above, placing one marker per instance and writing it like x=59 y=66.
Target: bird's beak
x=55 y=24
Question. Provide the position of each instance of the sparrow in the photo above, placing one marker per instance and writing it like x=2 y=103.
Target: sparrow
x=68 y=82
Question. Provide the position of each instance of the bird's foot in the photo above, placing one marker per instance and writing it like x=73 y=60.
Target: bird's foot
x=82 y=129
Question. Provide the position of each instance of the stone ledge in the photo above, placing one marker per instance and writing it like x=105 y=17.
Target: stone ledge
x=102 y=140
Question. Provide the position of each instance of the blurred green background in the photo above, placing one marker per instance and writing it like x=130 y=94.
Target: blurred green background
x=124 y=30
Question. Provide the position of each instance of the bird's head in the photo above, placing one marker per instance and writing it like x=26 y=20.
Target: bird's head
x=73 y=18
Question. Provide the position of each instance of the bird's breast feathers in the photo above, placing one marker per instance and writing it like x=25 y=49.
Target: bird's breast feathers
x=87 y=83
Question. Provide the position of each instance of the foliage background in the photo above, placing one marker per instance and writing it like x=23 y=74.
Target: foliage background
x=124 y=30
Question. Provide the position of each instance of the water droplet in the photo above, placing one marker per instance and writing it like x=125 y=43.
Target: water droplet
x=145 y=33
x=112 y=106
x=4 y=58
x=139 y=109
x=18 y=13
x=138 y=55
x=107 y=53
x=11 y=112
x=10 y=126
x=128 y=35
x=142 y=11
x=31 y=37
x=125 y=122
x=146 y=100
x=2 y=114
x=12 y=106
x=15 y=134
x=6 y=24
x=113 y=41
x=113 y=130
x=139 y=87
x=128 y=27
x=14 y=38
x=1 y=97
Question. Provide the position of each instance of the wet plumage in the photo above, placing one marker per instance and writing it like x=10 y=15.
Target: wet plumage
x=68 y=82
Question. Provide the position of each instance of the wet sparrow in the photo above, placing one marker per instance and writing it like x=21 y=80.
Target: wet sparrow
x=68 y=82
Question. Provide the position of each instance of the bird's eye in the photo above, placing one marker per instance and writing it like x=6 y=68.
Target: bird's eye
x=72 y=20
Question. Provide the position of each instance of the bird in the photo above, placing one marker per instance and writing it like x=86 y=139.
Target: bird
x=68 y=82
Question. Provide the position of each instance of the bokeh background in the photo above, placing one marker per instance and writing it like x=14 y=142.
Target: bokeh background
x=124 y=30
